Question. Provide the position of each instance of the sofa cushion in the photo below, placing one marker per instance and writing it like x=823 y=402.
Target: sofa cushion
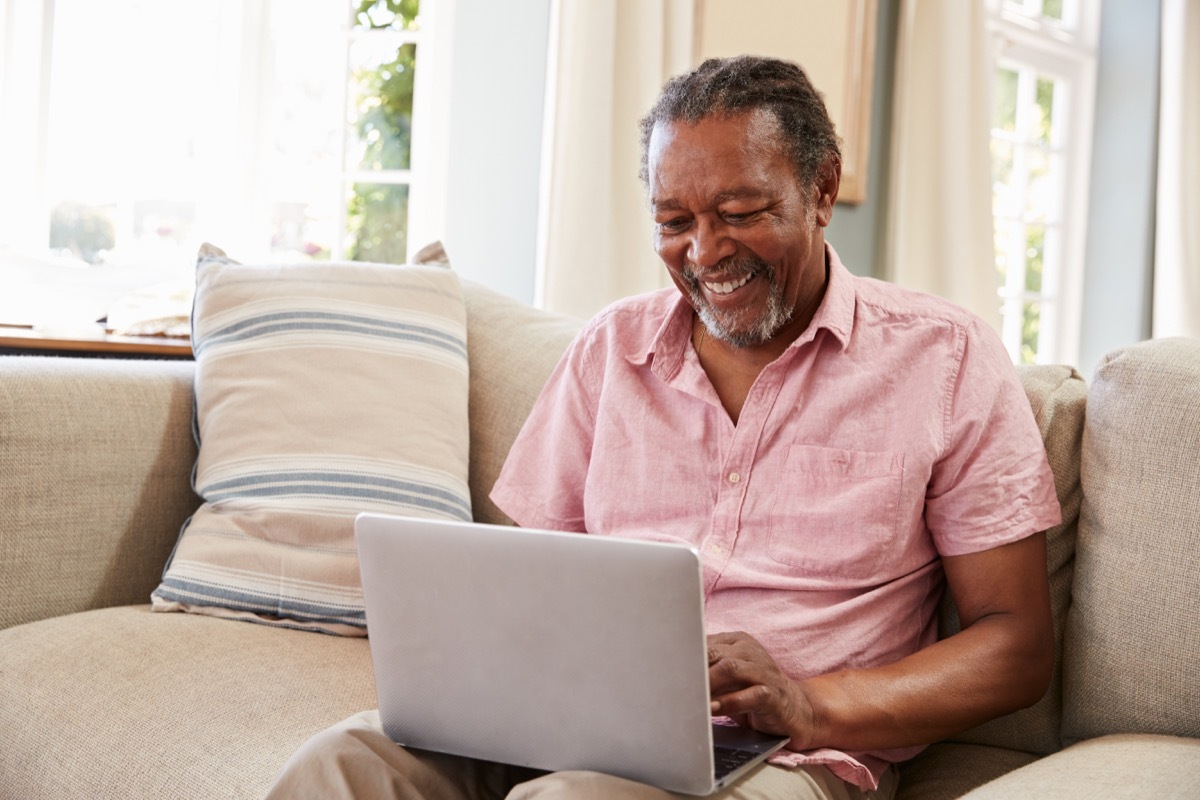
x=121 y=703
x=948 y=770
x=513 y=348
x=1132 y=649
x=94 y=463
x=1058 y=397
x=322 y=390
x=1119 y=767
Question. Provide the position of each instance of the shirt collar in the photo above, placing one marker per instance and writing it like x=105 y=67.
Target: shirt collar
x=835 y=314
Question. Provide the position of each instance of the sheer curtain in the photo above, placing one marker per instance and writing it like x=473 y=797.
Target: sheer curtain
x=608 y=61
x=1177 y=232
x=939 y=228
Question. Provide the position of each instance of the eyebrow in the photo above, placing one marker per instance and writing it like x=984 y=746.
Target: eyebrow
x=671 y=204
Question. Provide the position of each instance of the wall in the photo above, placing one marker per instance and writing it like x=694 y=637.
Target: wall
x=1120 y=242
x=857 y=231
x=498 y=79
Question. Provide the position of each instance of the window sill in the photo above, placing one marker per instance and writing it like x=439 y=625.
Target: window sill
x=30 y=341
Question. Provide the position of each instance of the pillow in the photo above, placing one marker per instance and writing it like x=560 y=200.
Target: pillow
x=321 y=390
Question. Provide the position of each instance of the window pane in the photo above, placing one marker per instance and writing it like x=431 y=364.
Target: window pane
x=1005 y=200
x=1045 y=108
x=303 y=230
x=393 y=14
x=1002 y=236
x=123 y=170
x=83 y=232
x=381 y=98
x=1004 y=114
x=304 y=170
x=1042 y=199
x=1035 y=248
x=1030 y=331
x=377 y=223
x=243 y=134
x=1046 y=9
x=122 y=149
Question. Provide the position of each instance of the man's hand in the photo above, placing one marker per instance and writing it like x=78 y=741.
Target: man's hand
x=748 y=685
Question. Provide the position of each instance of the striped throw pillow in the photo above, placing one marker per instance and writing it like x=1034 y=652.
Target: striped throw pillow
x=321 y=390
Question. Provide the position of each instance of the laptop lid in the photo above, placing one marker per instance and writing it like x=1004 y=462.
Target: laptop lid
x=550 y=650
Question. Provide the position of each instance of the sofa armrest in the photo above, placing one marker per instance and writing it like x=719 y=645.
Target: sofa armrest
x=95 y=480
x=1131 y=766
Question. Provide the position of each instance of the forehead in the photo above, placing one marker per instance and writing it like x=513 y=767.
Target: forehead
x=715 y=154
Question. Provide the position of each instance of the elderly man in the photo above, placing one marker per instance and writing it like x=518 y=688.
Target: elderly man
x=838 y=449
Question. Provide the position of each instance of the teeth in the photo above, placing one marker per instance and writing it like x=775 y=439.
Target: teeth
x=727 y=286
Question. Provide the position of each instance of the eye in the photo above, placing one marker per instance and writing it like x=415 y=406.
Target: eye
x=674 y=225
x=739 y=217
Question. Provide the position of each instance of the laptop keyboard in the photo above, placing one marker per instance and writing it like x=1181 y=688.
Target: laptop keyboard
x=727 y=759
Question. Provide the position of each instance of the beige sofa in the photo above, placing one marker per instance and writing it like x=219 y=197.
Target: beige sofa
x=99 y=698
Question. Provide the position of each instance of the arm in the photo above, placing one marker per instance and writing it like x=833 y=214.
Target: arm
x=1001 y=661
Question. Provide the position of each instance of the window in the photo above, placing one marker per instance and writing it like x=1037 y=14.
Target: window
x=1041 y=142
x=133 y=130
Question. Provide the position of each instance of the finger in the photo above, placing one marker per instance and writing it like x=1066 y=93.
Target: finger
x=733 y=644
x=757 y=699
x=730 y=671
x=725 y=674
x=729 y=677
x=725 y=637
x=729 y=639
x=717 y=652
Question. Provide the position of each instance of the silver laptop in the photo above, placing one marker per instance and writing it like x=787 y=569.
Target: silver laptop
x=556 y=651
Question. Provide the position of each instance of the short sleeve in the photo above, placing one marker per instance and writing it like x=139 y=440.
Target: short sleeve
x=543 y=479
x=993 y=483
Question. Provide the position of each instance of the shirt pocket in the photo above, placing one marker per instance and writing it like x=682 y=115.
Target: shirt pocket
x=836 y=512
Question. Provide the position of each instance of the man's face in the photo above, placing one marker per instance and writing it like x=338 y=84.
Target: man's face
x=740 y=237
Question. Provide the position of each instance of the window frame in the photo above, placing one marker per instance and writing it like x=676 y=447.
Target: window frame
x=1066 y=51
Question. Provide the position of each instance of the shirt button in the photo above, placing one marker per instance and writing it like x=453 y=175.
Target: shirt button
x=734 y=477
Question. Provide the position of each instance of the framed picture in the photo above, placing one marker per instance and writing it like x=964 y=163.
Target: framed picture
x=833 y=40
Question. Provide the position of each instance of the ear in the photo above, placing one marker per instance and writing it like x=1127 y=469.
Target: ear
x=829 y=180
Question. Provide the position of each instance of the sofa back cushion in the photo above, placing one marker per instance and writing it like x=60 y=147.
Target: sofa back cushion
x=512 y=348
x=1058 y=396
x=1132 y=647
x=95 y=455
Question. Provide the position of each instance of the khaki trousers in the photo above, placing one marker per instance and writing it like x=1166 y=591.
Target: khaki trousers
x=355 y=759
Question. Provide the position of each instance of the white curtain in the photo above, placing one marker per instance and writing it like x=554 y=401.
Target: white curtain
x=608 y=60
x=1177 y=232
x=939 y=225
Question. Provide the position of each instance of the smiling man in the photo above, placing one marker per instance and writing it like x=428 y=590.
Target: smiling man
x=838 y=449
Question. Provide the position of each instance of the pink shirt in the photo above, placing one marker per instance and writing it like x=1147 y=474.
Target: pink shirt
x=893 y=431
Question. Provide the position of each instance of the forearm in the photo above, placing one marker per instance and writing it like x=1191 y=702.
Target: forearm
x=1001 y=661
x=994 y=667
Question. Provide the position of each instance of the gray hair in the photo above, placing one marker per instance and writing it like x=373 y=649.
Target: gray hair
x=732 y=86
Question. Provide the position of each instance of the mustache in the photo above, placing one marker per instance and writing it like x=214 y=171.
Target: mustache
x=730 y=267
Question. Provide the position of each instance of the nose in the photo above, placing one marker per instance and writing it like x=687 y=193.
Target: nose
x=709 y=243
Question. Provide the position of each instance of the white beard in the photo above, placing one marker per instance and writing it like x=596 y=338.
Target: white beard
x=760 y=330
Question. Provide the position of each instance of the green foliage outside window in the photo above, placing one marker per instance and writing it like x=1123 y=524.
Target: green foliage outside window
x=377 y=214
x=1035 y=249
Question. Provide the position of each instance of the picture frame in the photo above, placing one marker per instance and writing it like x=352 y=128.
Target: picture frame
x=832 y=40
